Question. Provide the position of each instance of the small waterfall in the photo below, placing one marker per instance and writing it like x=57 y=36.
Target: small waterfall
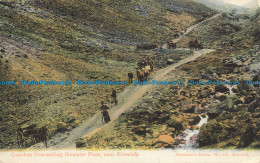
x=202 y=120
x=190 y=137
x=230 y=87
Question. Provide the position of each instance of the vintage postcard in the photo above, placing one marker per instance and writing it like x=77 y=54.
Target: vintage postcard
x=130 y=81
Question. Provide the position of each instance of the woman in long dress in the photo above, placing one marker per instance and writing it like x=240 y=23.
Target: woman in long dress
x=105 y=115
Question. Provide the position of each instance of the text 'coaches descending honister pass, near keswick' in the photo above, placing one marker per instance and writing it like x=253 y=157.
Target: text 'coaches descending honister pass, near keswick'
x=130 y=80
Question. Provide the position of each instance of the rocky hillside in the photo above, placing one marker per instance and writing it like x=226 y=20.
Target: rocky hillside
x=162 y=116
x=255 y=26
x=76 y=40
x=225 y=31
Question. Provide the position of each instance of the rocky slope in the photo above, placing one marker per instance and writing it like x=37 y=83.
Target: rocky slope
x=76 y=40
x=166 y=112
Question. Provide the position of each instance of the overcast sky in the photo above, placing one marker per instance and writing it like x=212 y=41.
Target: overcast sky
x=239 y=2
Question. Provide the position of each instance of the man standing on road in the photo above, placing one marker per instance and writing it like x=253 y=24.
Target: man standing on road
x=105 y=115
x=130 y=77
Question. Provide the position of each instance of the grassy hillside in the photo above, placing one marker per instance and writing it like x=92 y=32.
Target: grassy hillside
x=122 y=18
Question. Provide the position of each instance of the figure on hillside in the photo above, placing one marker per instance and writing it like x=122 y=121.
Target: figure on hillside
x=105 y=115
x=144 y=62
x=150 y=63
x=130 y=77
x=196 y=42
x=172 y=44
x=140 y=64
x=113 y=95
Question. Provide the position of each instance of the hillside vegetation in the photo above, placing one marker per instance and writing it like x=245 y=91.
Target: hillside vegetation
x=76 y=40
x=163 y=115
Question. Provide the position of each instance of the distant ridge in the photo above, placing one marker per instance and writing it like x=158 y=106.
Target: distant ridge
x=252 y=4
x=215 y=4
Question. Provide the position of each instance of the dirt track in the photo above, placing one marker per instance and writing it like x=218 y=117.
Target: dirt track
x=127 y=98
x=190 y=29
x=130 y=96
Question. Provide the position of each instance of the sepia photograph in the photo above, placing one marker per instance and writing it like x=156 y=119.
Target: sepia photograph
x=158 y=81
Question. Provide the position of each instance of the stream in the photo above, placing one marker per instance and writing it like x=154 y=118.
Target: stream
x=189 y=137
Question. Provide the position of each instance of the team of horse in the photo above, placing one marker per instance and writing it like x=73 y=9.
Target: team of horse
x=195 y=45
x=143 y=74
x=145 y=68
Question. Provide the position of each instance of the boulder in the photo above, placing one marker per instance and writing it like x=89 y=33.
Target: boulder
x=195 y=119
x=180 y=98
x=250 y=135
x=249 y=99
x=188 y=108
x=148 y=135
x=150 y=142
x=217 y=108
x=221 y=88
x=166 y=139
x=221 y=96
x=235 y=90
x=204 y=94
x=155 y=134
x=175 y=123
x=207 y=134
x=170 y=61
x=200 y=109
x=139 y=130
x=255 y=105
x=182 y=92
x=171 y=129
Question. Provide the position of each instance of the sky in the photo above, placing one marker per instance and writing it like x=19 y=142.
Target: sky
x=239 y=2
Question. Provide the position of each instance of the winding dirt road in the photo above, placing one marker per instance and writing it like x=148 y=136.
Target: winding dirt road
x=130 y=96
x=127 y=99
x=190 y=29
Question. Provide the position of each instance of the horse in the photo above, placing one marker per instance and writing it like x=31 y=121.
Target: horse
x=39 y=134
x=195 y=45
x=143 y=74
x=200 y=46
x=192 y=45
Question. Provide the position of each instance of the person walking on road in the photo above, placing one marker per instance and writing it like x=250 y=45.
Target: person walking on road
x=105 y=115
x=113 y=95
